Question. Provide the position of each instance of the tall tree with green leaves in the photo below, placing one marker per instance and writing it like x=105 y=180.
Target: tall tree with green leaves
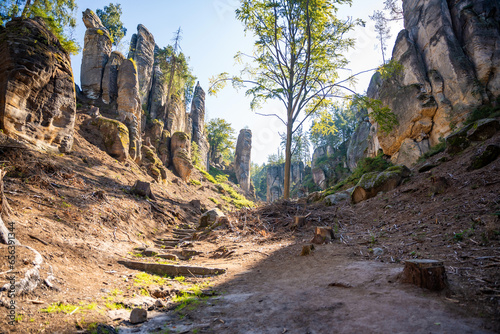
x=333 y=125
x=59 y=16
x=220 y=138
x=392 y=12
x=111 y=18
x=298 y=51
x=176 y=72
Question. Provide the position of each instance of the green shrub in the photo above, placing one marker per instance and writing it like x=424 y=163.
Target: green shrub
x=490 y=110
x=434 y=150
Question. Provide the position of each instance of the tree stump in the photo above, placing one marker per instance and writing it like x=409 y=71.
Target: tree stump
x=298 y=221
x=143 y=189
x=322 y=235
x=429 y=274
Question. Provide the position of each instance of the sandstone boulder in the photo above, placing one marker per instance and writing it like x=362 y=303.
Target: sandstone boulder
x=182 y=163
x=458 y=141
x=153 y=164
x=210 y=218
x=242 y=159
x=129 y=106
x=115 y=137
x=110 y=77
x=337 y=198
x=486 y=156
x=142 y=47
x=138 y=316
x=180 y=140
x=95 y=54
x=176 y=116
x=483 y=129
x=37 y=92
x=371 y=184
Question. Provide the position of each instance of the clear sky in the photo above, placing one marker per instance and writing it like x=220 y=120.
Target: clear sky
x=212 y=36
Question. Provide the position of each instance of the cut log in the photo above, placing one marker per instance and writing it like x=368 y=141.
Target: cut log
x=172 y=270
x=307 y=250
x=429 y=274
x=322 y=235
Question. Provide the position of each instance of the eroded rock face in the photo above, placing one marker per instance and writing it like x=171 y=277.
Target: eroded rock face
x=37 y=91
x=176 y=116
x=198 y=124
x=276 y=179
x=142 y=47
x=110 y=77
x=242 y=159
x=364 y=141
x=115 y=136
x=129 y=107
x=96 y=50
x=450 y=52
x=180 y=148
x=158 y=96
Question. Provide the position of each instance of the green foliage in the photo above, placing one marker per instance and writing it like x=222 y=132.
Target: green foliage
x=111 y=18
x=176 y=72
x=300 y=146
x=333 y=125
x=381 y=114
x=57 y=14
x=489 y=110
x=258 y=176
x=220 y=137
x=214 y=200
x=390 y=69
x=68 y=308
x=365 y=165
x=209 y=177
x=195 y=182
x=298 y=50
x=234 y=198
x=145 y=279
x=195 y=154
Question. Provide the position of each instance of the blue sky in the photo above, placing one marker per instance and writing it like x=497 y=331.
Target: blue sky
x=211 y=38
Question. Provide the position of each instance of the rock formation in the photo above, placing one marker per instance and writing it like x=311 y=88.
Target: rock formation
x=95 y=54
x=158 y=96
x=37 y=91
x=450 y=55
x=115 y=136
x=129 y=107
x=110 y=77
x=329 y=165
x=142 y=47
x=180 y=148
x=276 y=179
x=198 y=124
x=242 y=159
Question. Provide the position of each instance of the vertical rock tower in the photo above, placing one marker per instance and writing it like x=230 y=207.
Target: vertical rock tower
x=242 y=158
x=96 y=51
x=198 y=124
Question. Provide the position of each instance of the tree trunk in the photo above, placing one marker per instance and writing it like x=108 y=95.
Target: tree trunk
x=288 y=159
x=429 y=274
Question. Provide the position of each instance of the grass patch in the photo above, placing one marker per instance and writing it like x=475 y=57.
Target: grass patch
x=68 y=308
x=195 y=182
x=213 y=200
x=209 y=177
x=145 y=279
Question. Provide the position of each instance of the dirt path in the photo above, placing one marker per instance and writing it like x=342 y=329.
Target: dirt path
x=330 y=291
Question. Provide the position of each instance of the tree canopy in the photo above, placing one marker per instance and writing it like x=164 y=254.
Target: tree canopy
x=57 y=14
x=220 y=137
x=176 y=72
x=111 y=18
x=298 y=51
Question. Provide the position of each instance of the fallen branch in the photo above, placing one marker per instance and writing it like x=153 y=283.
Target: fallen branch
x=38 y=239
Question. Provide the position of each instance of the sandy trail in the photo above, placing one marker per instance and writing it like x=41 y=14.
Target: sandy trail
x=330 y=291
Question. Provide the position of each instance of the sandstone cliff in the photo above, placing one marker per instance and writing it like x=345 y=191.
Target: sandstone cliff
x=450 y=53
x=37 y=91
x=242 y=159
